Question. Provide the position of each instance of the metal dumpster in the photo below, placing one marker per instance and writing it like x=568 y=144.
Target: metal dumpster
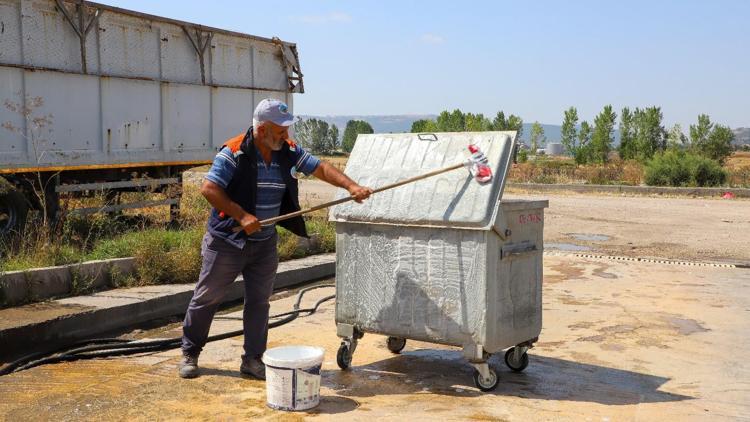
x=442 y=260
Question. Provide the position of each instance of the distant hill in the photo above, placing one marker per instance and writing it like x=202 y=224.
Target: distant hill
x=402 y=123
x=742 y=136
x=380 y=124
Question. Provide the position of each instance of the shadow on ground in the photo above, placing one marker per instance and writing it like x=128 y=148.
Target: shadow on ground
x=445 y=372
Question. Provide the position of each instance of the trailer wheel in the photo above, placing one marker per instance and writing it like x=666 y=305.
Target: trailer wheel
x=486 y=384
x=513 y=363
x=13 y=211
x=344 y=356
x=396 y=344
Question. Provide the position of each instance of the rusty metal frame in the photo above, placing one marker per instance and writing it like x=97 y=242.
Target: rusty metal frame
x=199 y=44
x=290 y=60
x=137 y=183
x=82 y=27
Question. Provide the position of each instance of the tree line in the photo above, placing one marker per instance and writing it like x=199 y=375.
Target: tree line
x=642 y=133
x=642 y=136
x=458 y=121
x=318 y=137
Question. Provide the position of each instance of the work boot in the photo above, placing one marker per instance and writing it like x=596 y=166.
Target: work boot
x=253 y=367
x=189 y=366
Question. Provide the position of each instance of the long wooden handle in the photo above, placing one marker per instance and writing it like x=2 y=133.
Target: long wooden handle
x=273 y=220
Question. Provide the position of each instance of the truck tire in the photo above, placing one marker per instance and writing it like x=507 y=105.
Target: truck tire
x=13 y=211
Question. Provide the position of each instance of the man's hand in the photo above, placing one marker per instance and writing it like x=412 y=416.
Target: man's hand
x=249 y=223
x=360 y=193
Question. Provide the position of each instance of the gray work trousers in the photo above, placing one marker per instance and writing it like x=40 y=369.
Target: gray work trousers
x=222 y=263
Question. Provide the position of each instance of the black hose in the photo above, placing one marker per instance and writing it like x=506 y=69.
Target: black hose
x=106 y=347
x=28 y=358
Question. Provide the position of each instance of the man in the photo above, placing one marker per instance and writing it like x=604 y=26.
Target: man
x=251 y=179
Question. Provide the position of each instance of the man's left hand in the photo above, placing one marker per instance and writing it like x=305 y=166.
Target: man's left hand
x=360 y=193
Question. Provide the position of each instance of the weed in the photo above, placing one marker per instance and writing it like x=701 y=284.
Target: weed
x=80 y=284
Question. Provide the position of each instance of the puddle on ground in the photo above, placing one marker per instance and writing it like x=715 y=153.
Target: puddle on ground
x=589 y=237
x=570 y=247
x=686 y=326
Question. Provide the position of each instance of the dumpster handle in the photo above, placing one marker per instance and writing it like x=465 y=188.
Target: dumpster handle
x=427 y=137
x=516 y=250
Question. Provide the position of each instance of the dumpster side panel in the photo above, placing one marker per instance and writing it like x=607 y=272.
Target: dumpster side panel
x=412 y=282
x=514 y=293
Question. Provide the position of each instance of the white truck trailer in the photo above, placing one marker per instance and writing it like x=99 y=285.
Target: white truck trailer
x=94 y=97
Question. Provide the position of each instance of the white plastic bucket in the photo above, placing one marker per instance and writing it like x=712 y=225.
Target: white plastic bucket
x=293 y=377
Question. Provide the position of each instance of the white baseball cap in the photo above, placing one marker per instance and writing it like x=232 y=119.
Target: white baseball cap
x=273 y=110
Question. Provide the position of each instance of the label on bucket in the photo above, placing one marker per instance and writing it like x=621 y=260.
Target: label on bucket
x=308 y=388
x=279 y=386
x=292 y=389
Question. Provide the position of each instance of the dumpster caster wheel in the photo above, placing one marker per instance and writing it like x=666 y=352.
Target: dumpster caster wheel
x=486 y=384
x=344 y=356
x=396 y=344
x=513 y=362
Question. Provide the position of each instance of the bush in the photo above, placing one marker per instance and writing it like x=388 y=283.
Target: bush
x=678 y=168
x=740 y=176
x=632 y=173
x=523 y=156
x=164 y=256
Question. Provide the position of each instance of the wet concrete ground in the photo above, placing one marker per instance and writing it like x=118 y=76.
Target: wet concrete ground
x=621 y=341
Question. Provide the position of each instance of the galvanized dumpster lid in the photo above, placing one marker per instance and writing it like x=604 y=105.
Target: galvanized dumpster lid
x=452 y=199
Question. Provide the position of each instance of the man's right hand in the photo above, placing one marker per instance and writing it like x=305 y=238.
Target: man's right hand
x=249 y=224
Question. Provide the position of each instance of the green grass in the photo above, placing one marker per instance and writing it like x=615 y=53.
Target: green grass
x=163 y=254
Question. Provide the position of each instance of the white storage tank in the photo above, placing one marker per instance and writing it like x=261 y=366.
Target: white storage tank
x=554 y=149
x=442 y=260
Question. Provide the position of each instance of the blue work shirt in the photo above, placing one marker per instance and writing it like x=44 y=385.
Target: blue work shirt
x=271 y=185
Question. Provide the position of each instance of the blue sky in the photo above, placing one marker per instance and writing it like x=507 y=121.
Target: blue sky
x=533 y=59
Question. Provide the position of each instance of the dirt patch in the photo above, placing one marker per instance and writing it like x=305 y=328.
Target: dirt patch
x=612 y=347
x=480 y=416
x=562 y=272
x=570 y=300
x=596 y=339
x=601 y=271
x=581 y=325
x=618 y=329
x=550 y=344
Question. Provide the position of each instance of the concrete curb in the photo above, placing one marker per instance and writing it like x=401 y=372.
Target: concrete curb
x=18 y=287
x=636 y=190
x=92 y=315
